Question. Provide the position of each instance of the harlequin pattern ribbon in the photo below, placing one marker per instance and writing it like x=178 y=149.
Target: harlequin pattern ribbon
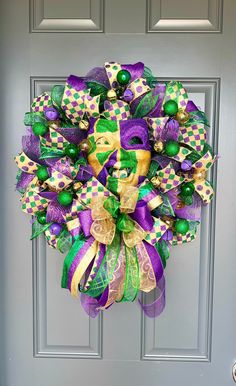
x=198 y=176
x=76 y=101
x=175 y=91
x=168 y=178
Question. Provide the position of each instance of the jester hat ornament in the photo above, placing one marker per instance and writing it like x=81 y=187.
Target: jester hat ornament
x=113 y=170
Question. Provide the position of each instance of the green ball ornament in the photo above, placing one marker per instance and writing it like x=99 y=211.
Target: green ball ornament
x=42 y=173
x=171 y=148
x=188 y=200
x=39 y=128
x=181 y=226
x=72 y=151
x=123 y=77
x=65 y=198
x=170 y=108
x=187 y=189
x=41 y=217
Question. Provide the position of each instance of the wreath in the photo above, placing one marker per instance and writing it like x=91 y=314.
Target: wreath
x=113 y=170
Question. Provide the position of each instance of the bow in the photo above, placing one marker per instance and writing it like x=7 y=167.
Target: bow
x=198 y=176
x=76 y=101
x=188 y=113
x=32 y=201
x=137 y=85
x=114 y=242
x=60 y=175
x=166 y=179
x=175 y=91
x=110 y=215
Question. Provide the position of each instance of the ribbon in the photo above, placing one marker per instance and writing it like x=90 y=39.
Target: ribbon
x=116 y=110
x=41 y=103
x=198 y=176
x=76 y=101
x=137 y=86
x=166 y=179
x=175 y=91
x=32 y=202
x=194 y=136
x=112 y=243
x=61 y=173
x=105 y=212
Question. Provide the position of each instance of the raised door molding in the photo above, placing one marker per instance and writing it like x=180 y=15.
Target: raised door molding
x=184 y=16
x=191 y=272
x=66 y=16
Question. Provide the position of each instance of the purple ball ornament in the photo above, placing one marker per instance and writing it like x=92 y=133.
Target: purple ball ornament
x=55 y=229
x=186 y=165
x=128 y=95
x=51 y=114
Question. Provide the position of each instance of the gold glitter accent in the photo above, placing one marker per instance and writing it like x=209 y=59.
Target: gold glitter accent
x=83 y=125
x=111 y=95
x=158 y=146
x=182 y=116
x=85 y=145
x=199 y=175
x=156 y=182
x=77 y=185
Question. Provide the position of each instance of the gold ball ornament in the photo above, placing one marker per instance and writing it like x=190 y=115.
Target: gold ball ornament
x=199 y=175
x=180 y=204
x=83 y=125
x=111 y=95
x=85 y=146
x=76 y=186
x=182 y=116
x=169 y=221
x=158 y=146
x=156 y=182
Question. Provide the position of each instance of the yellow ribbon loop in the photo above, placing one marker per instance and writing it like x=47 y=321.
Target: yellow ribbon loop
x=103 y=230
x=135 y=236
x=103 y=227
x=128 y=200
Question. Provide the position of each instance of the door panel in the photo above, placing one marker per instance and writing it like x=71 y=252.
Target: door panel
x=46 y=338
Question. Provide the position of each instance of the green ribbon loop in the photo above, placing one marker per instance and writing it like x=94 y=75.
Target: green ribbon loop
x=106 y=269
x=124 y=223
x=132 y=281
x=48 y=152
x=112 y=206
x=78 y=244
x=38 y=229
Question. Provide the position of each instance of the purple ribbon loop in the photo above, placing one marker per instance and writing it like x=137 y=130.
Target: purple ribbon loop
x=86 y=221
x=143 y=216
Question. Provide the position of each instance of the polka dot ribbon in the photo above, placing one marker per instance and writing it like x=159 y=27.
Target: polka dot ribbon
x=137 y=87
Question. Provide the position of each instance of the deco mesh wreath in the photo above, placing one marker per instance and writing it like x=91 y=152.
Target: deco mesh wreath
x=113 y=171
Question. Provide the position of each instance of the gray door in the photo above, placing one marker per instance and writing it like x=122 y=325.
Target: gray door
x=46 y=338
